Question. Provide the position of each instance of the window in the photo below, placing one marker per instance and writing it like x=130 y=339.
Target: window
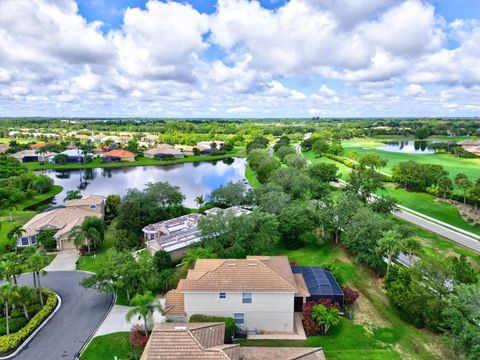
x=93 y=206
x=222 y=295
x=151 y=236
x=33 y=240
x=239 y=318
x=247 y=298
x=25 y=241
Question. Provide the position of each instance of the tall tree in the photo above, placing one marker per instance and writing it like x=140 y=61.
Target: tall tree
x=390 y=245
x=445 y=185
x=36 y=262
x=8 y=296
x=463 y=182
x=90 y=233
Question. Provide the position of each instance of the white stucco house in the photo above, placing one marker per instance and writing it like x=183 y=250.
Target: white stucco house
x=259 y=292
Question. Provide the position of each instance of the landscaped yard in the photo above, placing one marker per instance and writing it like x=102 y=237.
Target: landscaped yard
x=376 y=332
x=107 y=347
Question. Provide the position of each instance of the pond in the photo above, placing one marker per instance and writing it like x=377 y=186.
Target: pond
x=194 y=179
x=408 y=146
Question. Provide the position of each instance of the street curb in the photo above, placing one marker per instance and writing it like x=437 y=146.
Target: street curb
x=90 y=338
x=32 y=335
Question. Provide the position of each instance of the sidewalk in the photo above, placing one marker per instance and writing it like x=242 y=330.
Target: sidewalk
x=116 y=322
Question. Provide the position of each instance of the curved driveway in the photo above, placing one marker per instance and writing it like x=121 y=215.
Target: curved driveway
x=81 y=312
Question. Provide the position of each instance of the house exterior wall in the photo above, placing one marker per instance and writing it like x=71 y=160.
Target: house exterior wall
x=267 y=312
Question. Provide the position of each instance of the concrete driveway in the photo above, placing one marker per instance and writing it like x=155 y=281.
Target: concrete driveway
x=66 y=260
x=81 y=312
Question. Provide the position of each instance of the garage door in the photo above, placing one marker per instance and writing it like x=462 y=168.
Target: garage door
x=68 y=244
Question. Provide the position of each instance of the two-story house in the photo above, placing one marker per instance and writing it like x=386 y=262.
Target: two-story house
x=258 y=292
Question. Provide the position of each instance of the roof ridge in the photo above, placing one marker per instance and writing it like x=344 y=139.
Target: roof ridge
x=313 y=351
x=281 y=277
x=189 y=332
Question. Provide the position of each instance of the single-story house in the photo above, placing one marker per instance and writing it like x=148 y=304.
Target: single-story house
x=38 y=145
x=32 y=155
x=73 y=156
x=118 y=155
x=164 y=151
x=62 y=220
x=208 y=144
x=470 y=146
x=176 y=235
x=205 y=341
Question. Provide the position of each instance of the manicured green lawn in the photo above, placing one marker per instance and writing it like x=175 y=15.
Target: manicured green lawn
x=429 y=205
x=94 y=262
x=393 y=339
x=251 y=177
x=140 y=161
x=452 y=164
x=106 y=347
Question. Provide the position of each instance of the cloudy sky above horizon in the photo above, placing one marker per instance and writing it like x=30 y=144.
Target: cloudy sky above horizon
x=240 y=58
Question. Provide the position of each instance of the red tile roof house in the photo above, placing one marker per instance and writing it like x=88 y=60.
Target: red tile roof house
x=204 y=341
x=118 y=155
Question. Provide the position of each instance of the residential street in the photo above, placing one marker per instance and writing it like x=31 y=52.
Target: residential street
x=78 y=317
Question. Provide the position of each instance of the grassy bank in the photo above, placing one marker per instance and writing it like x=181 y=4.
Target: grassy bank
x=108 y=347
x=376 y=331
x=140 y=161
x=251 y=177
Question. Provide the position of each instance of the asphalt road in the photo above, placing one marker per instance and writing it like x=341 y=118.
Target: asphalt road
x=81 y=312
x=440 y=230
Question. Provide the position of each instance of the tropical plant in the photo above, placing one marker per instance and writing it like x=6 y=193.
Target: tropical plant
x=26 y=298
x=325 y=317
x=390 y=245
x=463 y=182
x=200 y=200
x=35 y=263
x=16 y=232
x=72 y=195
x=90 y=233
x=143 y=306
x=10 y=265
x=8 y=296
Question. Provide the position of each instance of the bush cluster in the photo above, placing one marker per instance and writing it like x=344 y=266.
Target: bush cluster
x=8 y=343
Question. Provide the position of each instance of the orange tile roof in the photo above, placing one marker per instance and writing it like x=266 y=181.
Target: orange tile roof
x=119 y=153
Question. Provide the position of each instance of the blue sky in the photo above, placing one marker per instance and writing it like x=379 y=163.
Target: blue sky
x=230 y=58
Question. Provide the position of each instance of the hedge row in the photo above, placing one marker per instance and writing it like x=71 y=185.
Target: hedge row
x=229 y=324
x=10 y=342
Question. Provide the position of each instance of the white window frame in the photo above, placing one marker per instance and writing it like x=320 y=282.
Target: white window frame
x=239 y=317
x=247 y=298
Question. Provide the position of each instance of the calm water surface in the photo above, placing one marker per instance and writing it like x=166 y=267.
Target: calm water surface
x=408 y=146
x=194 y=179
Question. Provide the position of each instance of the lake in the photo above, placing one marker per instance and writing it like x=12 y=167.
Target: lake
x=408 y=146
x=194 y=179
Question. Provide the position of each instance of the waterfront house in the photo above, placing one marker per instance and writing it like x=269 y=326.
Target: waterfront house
x=32 y=156
x=164 y=151
x=72 y=156
x=62 y=220
x=118 y=155
x=208 y=144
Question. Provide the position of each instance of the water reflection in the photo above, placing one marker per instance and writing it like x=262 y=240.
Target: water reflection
x=408 y=146
x=194 y=179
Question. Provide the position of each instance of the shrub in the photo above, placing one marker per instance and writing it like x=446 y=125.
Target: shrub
x=230 y=325
x=350 y=296
x=137 y=338
x=162 y=260
x=8 y=343
x=311 y=326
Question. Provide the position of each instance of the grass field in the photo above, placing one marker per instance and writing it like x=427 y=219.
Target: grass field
x=454 y=165
x=376 y=331
x=140 y=161
x=108 y=347
x=251 y=177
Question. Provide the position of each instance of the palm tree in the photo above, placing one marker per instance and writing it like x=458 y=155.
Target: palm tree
x=200 y=200
x=91 y=232
x=36 y=262
x=26 y=297
x=8 y=296
x=26 y=253
x=72 y=195
x=9 y=203
x=411 y=246
x=10 y=265
x=144 y=306
x=15 y=233
x=41 y=151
